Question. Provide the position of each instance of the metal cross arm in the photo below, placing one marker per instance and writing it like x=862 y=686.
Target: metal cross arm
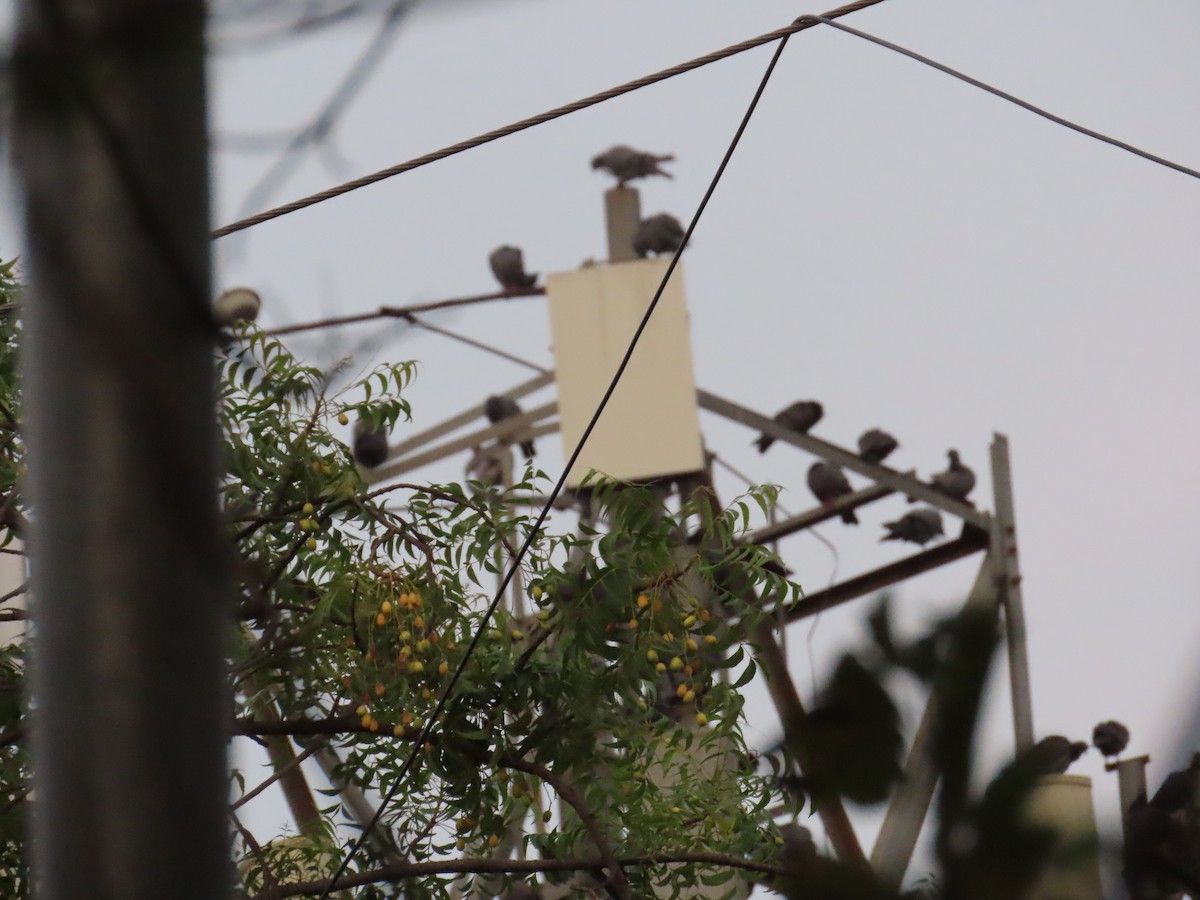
x=897 y=481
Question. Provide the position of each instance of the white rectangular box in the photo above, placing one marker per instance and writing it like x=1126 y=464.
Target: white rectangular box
x=651 y=426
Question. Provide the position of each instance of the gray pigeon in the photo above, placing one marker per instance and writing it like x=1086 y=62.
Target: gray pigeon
x=497 y=409
x=661 y=233
x=875 y=446
x=1053 y=755
x=827 y=484
x=1110 y=738
x=236 y=305
x=800 y=416
x=920 y=526
x=370 y=445
x=957 y=481
x=628 y=164
x=508 y=265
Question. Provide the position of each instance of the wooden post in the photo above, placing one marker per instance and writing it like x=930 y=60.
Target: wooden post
x=133 y=601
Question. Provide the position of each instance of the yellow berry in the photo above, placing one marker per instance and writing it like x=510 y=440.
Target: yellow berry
x=642 y=705
x=710 y=639
x=311 y=544
x=398 y=731
x=681 y=690
x=705 y=615
x=689 y=696
x=418 y=622
x=462 y=844
x=443 y=668
x=416 y=667
x=546 y=816
x=701 y=719
x=633 y=623
x=676 y=810
x=379 y=689
x=692 y=645
x=405 y=635
x=361 y=711
x=689 y=621
x=406 y=718
x=493 y=841
x=381 y=619
x=307 y=509
x=343 y=419
x=516 y=634
x=652 y=655
x=426 y=694
x=643 y=601
x=537 y=592
x=676 y=663
x=422 y=645
x=374 y=726
x=660 y=668
x=386 y=606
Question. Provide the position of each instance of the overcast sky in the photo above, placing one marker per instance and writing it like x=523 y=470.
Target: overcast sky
x=914 y=253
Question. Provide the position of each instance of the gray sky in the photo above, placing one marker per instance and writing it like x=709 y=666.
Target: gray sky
x=914 y=253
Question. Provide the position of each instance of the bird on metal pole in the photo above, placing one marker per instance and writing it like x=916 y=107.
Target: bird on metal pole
x=497 y=409
x=919 y=526
x=828 y=482
x=628 y=164
x=957 y=481
x=508 y=265
x=875 y=445
x=800 y=416
x=661 y=233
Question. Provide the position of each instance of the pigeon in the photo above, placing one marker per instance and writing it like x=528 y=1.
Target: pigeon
x=508 y=265
x=628 y=164
x=827 y=483
x=1053 y=755
x=236 y=305
x=1180 y=790
x=497 y=409
x=956 y=482
x=370 y=445
x=875 y=446
x=661 y=233
x=920 y=526
x=800 y=416
x=1110 y=738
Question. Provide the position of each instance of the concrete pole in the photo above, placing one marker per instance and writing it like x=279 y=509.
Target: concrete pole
x=132 y=600
x=622 y=215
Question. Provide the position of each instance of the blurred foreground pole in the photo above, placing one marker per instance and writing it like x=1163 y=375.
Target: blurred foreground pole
x=130 y=592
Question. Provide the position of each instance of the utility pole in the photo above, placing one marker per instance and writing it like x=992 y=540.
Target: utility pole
x=131 y=597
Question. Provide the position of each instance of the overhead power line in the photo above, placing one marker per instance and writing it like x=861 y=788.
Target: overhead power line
x=800 y=24
x=517 y=559
x=1004 y=95
x=549 y=115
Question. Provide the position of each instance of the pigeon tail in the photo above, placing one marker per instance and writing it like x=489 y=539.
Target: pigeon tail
x=849 y=517
x=527 y=449
x=763 y=442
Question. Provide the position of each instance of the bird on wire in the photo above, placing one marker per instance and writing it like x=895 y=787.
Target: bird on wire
x=919 y=526
x=628 y=164
x=828 y=482
x=508 y=265
x=875 y=445
x=497 y=409
x=661 y=233
x=240 y=304
x=800 y=416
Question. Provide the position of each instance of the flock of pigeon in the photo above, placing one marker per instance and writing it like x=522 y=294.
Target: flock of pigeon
x=828 y=483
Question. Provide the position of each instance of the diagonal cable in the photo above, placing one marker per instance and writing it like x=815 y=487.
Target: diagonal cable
x=549 y=115
x=431 y=719
x=1004 y=95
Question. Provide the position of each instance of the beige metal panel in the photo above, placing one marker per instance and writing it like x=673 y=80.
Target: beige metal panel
x=1064 y=803
x=651 y=426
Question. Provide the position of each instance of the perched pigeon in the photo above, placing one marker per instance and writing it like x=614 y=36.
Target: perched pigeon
x=1053 y=755
x=876 y=446
x=957 y=481
x=1180 y=790
x=661 y=233
x=508 y=265
x=920 y=526
x=800 y=416
x=1110 y=738
x=827 y=484
x=628 y=164
x=236 y=305
x=498 y=409
x=370 y=445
